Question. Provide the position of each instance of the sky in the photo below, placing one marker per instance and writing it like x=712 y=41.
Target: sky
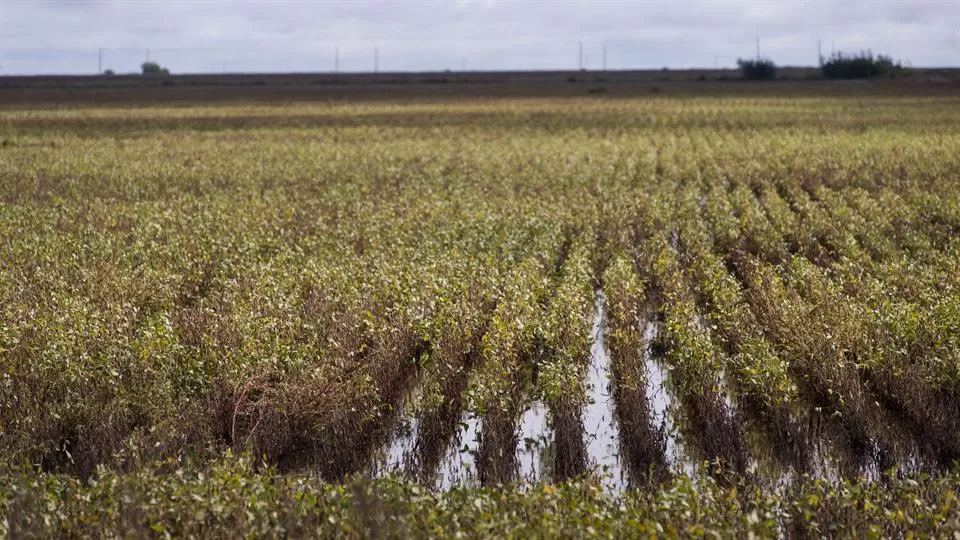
x=213 y=36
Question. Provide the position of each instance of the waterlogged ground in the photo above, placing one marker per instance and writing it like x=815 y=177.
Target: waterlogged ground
x=458 y=316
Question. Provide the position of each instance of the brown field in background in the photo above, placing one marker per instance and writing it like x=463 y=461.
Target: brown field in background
x=119 y=89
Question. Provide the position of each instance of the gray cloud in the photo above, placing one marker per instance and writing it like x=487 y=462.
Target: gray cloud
x=62 y=36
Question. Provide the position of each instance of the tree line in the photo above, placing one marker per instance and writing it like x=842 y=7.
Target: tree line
x=839 y=65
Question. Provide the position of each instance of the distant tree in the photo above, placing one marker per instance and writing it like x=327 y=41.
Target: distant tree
x=759 y=69
x=109 y=73
x=153 y=68
x=862 y=65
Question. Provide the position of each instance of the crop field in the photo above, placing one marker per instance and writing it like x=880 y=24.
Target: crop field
x=582 y=316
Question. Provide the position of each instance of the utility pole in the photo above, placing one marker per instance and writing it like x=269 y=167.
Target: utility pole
x=336 y=59
x=819 y=54
x=581 y=55
x=99 y=61
x=376 y=60
x=758 y=48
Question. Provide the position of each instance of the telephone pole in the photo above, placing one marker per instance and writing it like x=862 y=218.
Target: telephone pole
x=581 y=55
x=758 y=48
x=819 y=54
x=99 y=61
x=376 y=60
x=336 y=59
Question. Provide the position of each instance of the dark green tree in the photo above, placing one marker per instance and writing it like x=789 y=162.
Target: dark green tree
x=759 y=69
x=153 y=68
x=862 y=65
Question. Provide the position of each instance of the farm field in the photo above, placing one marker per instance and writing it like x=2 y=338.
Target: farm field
x=549 y=316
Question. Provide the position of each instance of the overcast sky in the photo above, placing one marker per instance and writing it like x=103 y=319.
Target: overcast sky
x=63 y=36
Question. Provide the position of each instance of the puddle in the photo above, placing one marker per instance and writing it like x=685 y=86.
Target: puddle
x=907 y=454
x=726 y=390
x=870 y=471
x=599 y=420
x=912 y=463
x=459 y=464
x=824 y=467
x=832 y=461
x=535 y=438
x=661 y=403
x=725 y=385
x=399 y=455
x=823 y=464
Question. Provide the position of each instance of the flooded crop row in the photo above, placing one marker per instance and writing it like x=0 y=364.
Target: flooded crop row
x=602 y=431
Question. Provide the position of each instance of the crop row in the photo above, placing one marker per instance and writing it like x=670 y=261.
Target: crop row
x=432 y=290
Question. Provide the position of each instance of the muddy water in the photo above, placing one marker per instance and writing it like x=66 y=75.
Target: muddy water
x=663 y=405
x=825 y=449
x=459 y=464
x=602 y=432
x=535 y=452
x=533 y=449
x=398 y=456
x=726 y=390
x=402 y=451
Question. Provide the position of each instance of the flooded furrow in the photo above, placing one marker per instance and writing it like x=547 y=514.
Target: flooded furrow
x=459 y=465
x=533 y=453
x=599 y=415
x=726 y=390
x=399 y=455
x=662 y=403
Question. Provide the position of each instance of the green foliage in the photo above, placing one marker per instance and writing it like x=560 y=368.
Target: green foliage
x=231 y=498
x=862 y=65
x=757 y=69
x=182 y=286
x=153 y=68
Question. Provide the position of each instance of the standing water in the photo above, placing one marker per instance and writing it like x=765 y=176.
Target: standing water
x=398 y=456
x=662 y=402
x=459 y=465
x=603 y=435
x=535 y=437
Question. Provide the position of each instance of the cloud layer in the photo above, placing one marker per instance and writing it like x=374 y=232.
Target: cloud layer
x=63 y=36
